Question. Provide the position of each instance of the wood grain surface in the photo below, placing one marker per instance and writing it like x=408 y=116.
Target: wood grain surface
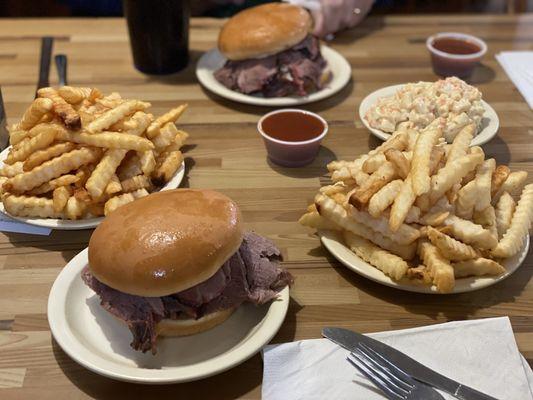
x=227 y=154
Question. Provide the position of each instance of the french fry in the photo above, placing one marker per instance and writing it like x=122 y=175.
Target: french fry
x=64 y=110
x=113 y=186
x=113 y=115
x=167 y=165
x=513 y=239
x=60 y=198
x=437 y=155
x=402 y=204
x=339 y=187
x=440 y=270
x=405 y=234
x=483 y=183
x=118 y=201
x=141 y=121
x=499 y=176
x=148 y=162
x=373 y=163
x=487 y=219
x=137 y=194
x=461 y=143
x=74 y=95
x=10 y=171
x=383 y=175
x=401 y=164
x=446 y=177
x=63 y=180
x=512 y=185
x=40 y=156
x=75 y=208
x=105 y=169
x=34 y=113
x=477 y=267
x=471 y=233
x=421 y=159
x=504 y=213
x=316 y=221
x=466 y=198
x=52 y=169
x=381 y=200
x=28 y=206
x=449 y=247
x=110 y=140
x=135 y=183
x=167 y=135
x=17 y=136
x=420 y=273
x=30 y=145
x=335 y=213
x=398 y=141
x=388 y=263
x=171 y=116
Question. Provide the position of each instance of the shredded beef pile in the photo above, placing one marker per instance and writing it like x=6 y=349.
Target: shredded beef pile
x=293 y=71
x=252 y=274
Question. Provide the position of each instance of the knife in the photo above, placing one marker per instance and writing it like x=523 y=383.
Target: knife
x=349 y=340
x=44 y=64
x=61 y=66
x=4 y=134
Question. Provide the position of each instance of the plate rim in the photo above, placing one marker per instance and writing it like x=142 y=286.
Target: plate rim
x=81 y=224
x=204 y=71
x=62 y=334
x=478 y=140
x=327 y=238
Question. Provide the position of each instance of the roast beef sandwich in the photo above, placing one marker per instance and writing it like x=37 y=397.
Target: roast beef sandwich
x=179 y=262
x=270 y=52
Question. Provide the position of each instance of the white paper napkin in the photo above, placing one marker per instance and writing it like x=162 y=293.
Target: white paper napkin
x=481 y=353
x=519 y=67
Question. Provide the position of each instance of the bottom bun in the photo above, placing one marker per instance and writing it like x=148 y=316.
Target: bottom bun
x=186 y=327
x=326 y=76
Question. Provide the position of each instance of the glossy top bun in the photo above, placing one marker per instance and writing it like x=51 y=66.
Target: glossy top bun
x=166 y=242
x=264 y=30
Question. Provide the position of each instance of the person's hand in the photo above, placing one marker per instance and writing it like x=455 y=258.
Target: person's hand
x=336 y=15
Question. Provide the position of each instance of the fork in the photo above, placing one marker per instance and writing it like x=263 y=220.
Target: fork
x=393 y=382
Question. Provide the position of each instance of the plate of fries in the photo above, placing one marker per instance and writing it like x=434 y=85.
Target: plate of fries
x=77 y=155
x=422 y=215
x=487 y=129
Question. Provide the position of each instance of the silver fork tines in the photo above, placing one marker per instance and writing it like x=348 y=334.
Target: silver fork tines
x=395 y=383
x=393 y=387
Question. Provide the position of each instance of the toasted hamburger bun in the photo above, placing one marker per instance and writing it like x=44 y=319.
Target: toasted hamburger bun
x=264 y=30
x=166 y=242
x=186 y=327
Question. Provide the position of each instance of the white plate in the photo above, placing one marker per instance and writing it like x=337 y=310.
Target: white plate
x=334 y=243
x=99 y=342
x=489 y=122
x=88 y=223
x=213 y=60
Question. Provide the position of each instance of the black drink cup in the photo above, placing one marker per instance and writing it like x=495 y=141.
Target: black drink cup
x=159 y=34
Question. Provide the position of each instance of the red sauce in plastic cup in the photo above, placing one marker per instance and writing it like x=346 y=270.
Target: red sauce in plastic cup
x=455 y=54
x=292 y=137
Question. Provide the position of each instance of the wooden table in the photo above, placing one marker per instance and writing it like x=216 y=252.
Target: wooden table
x=228 y=155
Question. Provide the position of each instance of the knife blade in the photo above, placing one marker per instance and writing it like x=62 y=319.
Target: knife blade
x=4 y=134
x=349 y=340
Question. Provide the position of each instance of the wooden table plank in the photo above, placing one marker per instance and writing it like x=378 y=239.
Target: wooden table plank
x=227 y=154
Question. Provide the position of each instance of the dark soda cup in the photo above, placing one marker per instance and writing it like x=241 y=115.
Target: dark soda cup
x=159 y=34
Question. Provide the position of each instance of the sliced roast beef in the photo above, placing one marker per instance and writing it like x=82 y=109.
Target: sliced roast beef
x=252 y=274
x=294 y=71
